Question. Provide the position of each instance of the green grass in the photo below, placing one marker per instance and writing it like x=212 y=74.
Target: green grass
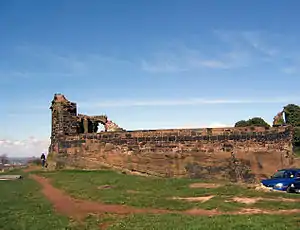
x=23 y=207
x=179 y=222
x=183 y=222
x=157 y=192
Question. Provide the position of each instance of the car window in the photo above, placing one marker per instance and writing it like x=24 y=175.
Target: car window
x=286 y=174
x=279 y=174
x=290 y=174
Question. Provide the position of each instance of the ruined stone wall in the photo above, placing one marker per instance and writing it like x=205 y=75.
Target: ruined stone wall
x=64 y=120
x=234 y=153
x=200 y=153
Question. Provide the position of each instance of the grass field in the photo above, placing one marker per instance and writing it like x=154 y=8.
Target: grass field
x=158 y=193
x=23 y=206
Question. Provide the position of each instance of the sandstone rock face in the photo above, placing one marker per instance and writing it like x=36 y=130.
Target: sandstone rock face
x=278 y=119
x=233 y=153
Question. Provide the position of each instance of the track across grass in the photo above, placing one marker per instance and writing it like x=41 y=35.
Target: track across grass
x=23 y=205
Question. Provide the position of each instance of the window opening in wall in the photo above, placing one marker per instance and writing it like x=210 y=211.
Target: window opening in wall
x=100 y=128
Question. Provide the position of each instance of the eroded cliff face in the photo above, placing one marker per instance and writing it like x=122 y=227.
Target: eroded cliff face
x=231 y=153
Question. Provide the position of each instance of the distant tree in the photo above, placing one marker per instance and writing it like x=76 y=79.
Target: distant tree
x=296 y=140
x=4 y=159
x=292 y=115
x=258 y=121
x=241 y=123
x=255 y=121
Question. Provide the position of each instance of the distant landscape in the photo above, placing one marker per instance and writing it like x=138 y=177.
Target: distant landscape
x=4 y=159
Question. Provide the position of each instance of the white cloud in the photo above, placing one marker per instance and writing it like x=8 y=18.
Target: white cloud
x=186 y=60
x=24 y=148
x=290 y=70
x=235 y=49
x=214 y=64
x=262 y=46
x=260 y=40
x=256 y=40
x=183 y=102
x=161 y=67
x=211 y=125
x=218 y=125
x=180 y=59
x=45 y=62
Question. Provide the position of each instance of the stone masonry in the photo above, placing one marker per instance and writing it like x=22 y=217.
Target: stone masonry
x=233 y=153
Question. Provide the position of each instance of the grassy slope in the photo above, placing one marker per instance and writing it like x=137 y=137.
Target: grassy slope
x=23 y=207
x=178 y=222
x=157 y=193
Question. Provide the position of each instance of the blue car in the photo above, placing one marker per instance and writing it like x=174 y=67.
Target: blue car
x=295 y=187
x=283 y=179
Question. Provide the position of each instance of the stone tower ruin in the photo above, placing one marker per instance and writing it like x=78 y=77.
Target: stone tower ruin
x=66 y=122
x=64 y=117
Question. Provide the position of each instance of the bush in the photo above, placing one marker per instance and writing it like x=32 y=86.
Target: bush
x=292 y=115
x=255 y=121
x=296 y=140
x=241 y=123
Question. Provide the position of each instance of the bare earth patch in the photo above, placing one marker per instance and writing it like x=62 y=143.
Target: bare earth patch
x=204 y=185
x=201 y=199
x=253 y=200
x=262 y=188
x=244 y=211
x=32 y=168
x=245 y=200
x=106 y=186
x=132 y=191
x=137 y=192
x=248 y=211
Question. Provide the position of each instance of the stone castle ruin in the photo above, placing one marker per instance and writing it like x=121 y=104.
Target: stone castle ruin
x=234 y=153
x=66 y=121
x=279 y=120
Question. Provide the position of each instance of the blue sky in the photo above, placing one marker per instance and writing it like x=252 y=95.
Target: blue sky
x=146 y=64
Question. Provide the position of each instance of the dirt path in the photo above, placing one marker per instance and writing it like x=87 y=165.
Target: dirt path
x=78 y=209
x=32 y=168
